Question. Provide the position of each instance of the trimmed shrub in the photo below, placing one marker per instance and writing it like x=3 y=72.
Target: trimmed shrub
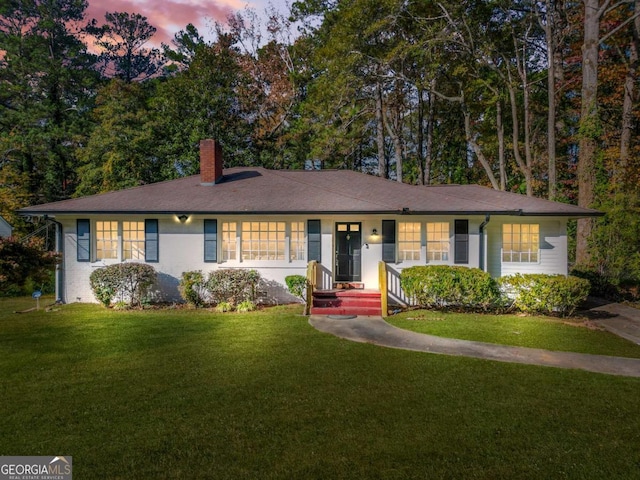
x=129 y=282
x=540 y=293
x=233 y=285
x=444 y=286
x=104 y=284
x=297 y=285
x=193 y=288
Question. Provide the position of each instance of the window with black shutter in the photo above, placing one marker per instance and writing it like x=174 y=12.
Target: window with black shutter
x=210 y=240
x=151 y=243
x=83 y=232
x=461 y=233
x=389 y=241
x=314 y=241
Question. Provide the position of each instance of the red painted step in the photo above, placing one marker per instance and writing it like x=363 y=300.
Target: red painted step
x=346 y=302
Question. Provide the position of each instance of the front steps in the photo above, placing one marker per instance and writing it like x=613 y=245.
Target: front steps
x=353 y=301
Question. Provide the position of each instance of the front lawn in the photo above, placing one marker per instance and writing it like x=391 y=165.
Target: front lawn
x=193 y=394
x=569 y=335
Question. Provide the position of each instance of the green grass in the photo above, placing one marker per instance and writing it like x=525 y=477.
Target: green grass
x=570 y=335
x=193 y=394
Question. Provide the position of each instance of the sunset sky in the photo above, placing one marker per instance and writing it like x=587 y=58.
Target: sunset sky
x=170 y=16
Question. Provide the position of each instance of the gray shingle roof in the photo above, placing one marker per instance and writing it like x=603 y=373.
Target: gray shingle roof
x=258 y=190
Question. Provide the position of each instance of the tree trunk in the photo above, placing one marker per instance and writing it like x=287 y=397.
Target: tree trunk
x=394 y=133
x=397 y=145
x=528 y=157
x=420 y=146
x=589 y=125
x=382 y=162
x=478 y=151
x=501 y=159
x=430 y=123
x=394 y=128
x=549 y=29
x=621 y=173
x=524 y=167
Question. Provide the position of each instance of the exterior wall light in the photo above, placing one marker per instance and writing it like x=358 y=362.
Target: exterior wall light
x=183 y=218
x=374 y=232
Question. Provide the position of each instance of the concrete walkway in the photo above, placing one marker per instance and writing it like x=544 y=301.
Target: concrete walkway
x=378 y=332
x=617 y=318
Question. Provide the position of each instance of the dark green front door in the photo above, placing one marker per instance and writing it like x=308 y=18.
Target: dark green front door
x=348 y=252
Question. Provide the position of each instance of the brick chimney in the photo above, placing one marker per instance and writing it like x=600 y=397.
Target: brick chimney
x=210 y=162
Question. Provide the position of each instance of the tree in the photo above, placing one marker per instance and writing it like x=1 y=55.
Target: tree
x=202 y=102
x=590 y=124
x=120 y=152
x=23 y=261
x=122 y=39
x=623 y=174
x=185 y=44
x=46 y=87
x=552 y=17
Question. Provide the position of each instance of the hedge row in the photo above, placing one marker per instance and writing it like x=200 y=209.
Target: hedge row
x=534 y=293
x=445 y=286
x=441 y=286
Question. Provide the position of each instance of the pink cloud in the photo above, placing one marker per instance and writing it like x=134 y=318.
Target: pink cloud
x=168 y=16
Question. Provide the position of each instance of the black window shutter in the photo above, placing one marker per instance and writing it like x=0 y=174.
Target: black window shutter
x=389 y=241
x=314 y=241
x=461 y=254
x=151 y=253
x=211 y=240
x=83 y=232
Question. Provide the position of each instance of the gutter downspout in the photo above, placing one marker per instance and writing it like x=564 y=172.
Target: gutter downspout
x=59 y=269
x=487 y=219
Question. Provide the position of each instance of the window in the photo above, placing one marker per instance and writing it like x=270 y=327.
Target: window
x=438 y=241
x=263 y=240
x=461 y=243
x=520 y=242
x=151 y=241
x=296 y=250
x=314 y=243
x=228 y=241
x=140 y=240
x=132 y=240
x=389 y=241
x=210 y=240
x=83 y=231
x=409 y=240
x=106 y=240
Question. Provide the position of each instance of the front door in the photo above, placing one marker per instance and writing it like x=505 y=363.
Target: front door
x=348 y=252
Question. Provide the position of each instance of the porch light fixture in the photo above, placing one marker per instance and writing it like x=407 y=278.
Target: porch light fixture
x=374 y=233
x=183 y=218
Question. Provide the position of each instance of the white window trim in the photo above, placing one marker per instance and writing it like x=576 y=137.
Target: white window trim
x=537 y=251
x=421 y=250
x=448 y=261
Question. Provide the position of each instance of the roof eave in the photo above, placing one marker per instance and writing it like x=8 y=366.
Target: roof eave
x=573 y=215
